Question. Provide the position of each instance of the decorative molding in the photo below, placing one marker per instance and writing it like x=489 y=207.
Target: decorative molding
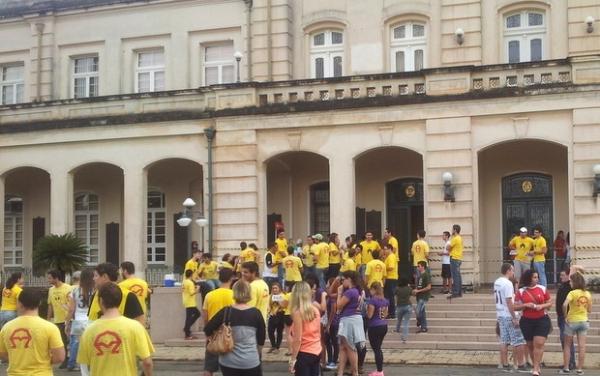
x=386 y=133
x=521 y=126
x=295 y=139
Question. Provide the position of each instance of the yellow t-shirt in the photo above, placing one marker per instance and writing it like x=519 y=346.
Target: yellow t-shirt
x=112 y=346
x=282 y=246
x=578 y=301
x=357 y=259
x=456 y=247
x=307 y=252
x=375 y=272
x=420 y=251
x=259 y=291
x=188 y=293
x=367 y=250
x=208 y=271
x=192 y=265
x=391 y=266
x=58 y=297
x=226 y=265
x=28 y=341
x=9 y=298
x=287 y=297
x=348 y=264
x=323 y=257
x=292 y=266
x=216 y=300
x=394 y=243
x=276 y=306
x=247 y=255
x=95 y=311
x=139 y=287
x=523 y=246
x=538 y=245
x=334 y=254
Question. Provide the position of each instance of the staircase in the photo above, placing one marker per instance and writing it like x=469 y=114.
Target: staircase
x=467 y=323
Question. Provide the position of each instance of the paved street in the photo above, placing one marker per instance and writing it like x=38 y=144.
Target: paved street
x=187 y=368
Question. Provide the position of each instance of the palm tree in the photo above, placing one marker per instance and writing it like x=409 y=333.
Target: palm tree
x=65 y=253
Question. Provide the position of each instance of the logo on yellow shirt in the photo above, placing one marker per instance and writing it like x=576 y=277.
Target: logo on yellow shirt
x=582 y=301
x=289 y=264
x=19 y=336
x=109 y=341
x=6 y=293
x=378 y=268
x=137 y=290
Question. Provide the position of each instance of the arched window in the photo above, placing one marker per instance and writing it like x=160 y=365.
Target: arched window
x=327 y=54
x=408 y=42
x=86 y=223
x=156 y=228
x=13 y=231
x=524 y=36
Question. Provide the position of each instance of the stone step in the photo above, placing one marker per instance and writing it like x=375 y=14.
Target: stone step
x=437 y=311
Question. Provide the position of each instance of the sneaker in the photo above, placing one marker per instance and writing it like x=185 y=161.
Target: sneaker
x=580 y=372
x=524 y=368
x=190 y=338
x=331 y=366
x=275 y=351
x=564 y=371
x=505 y=368
x=271 y=350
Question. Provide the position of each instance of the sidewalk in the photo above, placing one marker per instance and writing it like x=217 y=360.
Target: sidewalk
x=391 y=356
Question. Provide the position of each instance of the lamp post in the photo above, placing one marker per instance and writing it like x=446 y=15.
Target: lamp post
x=210 y=136
x=238 y=57
x=596 y=170
x=188 y=216
x=448 y=188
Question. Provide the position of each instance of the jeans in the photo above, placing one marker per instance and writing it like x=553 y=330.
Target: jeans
x=63 y=335
x=456 y=277
x=388 y=291
x=191 y=315
x=334 y=270
x=213 y=283
x=309 y=270
x=270 y=280
x=6 y=316
x=361 y=271
x=403 y=313
x=540 y=268
x=561 y=328
x=307 y=365
x=280 y=273
x=520 y=267
x=73 y=349
x=321 y=273
x=376 y=336
x=332 y=344
x=275 y=330
x=421 y=314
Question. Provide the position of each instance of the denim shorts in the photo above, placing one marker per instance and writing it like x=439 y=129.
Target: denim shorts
x=578 y=327
x=6 y=316
x=509 y=335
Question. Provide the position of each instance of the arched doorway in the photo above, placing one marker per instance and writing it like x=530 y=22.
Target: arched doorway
x=298 y=194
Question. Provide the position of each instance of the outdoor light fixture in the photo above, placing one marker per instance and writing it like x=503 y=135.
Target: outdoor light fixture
x=238 y=57
x=589 y=20
x=596 y=170
x=460 y=36
x=448 y=188
x=186 y=217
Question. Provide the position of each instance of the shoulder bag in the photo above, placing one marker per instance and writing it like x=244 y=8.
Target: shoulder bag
x=221 y=342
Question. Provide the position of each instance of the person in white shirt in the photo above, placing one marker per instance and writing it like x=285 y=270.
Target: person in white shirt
x=508 y=320
x=446 y=272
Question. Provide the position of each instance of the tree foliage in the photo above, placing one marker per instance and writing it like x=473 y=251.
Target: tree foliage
x=65 y=253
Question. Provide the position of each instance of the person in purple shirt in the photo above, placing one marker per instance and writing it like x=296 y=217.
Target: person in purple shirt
x=351 y=333
x=377 y=311
x=333 y=321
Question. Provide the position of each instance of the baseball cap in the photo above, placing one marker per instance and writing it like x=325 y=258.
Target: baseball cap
x=523 y=229
x=318 y=236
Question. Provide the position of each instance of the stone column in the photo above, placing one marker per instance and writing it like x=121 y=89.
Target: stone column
x=134 y=217
x=341 y=195
x=61 y=202
x=2 y=194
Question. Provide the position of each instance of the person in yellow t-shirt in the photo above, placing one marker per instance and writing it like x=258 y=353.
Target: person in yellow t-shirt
x=375 y=270
x=134 y=284
x=335 y=256
x=259 y=290
x=281 y=253
x=275 y=322
x=215 y=301
x=189 y=290
x=322 y=252
x=58 y=304
x=193 y=263
x=577 y=306
x=391 y=277
x=391 y=240
x=247 y=254
x=456 y=257
x=309 y=256
x=522 y=248
x=348 y=261
x=29 y=343
x=420 y=252
x=293 y=269
x=113 y=344
x=208 y=271
x=226 y=262
x=539 y=255
x=368 y=246
x=10 y=294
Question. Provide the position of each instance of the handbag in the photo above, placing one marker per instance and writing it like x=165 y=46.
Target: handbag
x=221 y=342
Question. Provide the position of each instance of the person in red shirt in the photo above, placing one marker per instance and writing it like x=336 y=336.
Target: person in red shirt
x=560 y=250
x=535 y=324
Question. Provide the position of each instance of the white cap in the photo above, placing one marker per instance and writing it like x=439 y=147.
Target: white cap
x=523 y=229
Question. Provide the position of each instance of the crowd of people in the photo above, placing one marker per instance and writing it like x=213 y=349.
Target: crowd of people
x=326 y=298
x=95 y=326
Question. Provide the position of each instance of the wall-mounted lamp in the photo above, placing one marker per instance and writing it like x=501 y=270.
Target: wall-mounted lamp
x=448 y=188
x=460 y=36
x=238 y=57
x=186 y=217
x=596 y=170
x=589 y=20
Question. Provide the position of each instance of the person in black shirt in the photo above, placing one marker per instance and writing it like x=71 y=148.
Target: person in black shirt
x=130 y=308
x=561 y=295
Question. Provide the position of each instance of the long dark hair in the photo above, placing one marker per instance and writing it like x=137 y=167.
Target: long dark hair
x=526 y=278
x=13 y=279
x=86 y=283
